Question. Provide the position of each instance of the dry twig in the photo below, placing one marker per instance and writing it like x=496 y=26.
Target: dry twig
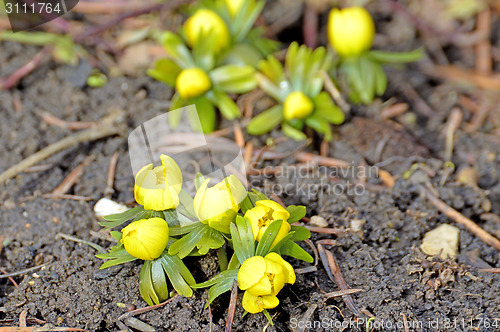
x=232 y=307
x=461 y=219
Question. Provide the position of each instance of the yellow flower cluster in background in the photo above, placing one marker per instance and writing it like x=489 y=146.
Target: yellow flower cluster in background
x=263 y=214
x=262 y=278
x=146 y=238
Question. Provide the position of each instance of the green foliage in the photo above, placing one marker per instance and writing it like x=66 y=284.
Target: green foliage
x=303 y=71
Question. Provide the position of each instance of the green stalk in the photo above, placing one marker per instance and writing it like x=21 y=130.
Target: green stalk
x=222 y=256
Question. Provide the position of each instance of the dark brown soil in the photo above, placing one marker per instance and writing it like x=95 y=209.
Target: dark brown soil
x=383 y=259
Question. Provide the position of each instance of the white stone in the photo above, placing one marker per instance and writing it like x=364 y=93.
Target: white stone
x=442 y=241
x=318 y=221
x=105 y=207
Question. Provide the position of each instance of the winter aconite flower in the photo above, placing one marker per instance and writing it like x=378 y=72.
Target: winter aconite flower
x=350 y=31
x=217 y=206
x=158 y=188
x=297 y=106
x=146 y=239
x=206 y=22
x=262 y=278
x=261 y=216
x=234 y=6
x=192 y=82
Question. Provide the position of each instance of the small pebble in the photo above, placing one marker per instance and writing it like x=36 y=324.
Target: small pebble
x=318 y=221
x=442 y=241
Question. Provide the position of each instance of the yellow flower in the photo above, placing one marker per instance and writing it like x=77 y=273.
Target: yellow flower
x=217 y=206
x=262 y=278
x=203 y=23
x=255 y=304
x=234 y=6
x=297 y=106
x=265 y=212
x=146 y=238
x=192 y=82
x=158 y=188
x=350 y=30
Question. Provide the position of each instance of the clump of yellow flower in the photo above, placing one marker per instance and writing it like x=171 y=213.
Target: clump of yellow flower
x=297 y=106
x=146 y=239
x=217 y=206
x=262 y=278
x=158 y=188
x=263 y=214
x=350 y=30
x=192 y=82
x=204 y=23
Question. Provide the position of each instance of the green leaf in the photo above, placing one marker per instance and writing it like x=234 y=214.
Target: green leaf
x=300 y=233
x=146 y=287
x=380 y=80
x=177 y=50
x=174 y=118
x=234 y=78
x=187 y=203
x=268 y=238
x=226 y=105
x=117 y=261
x=245 y=19
x=221 y=283
x=178 y=274
x=206 y=115
x=292 y=249
x=246 y=204
x=268 y=316
x=280 y=243
x=204 y=50
x=171 y=217
x=325 y=108
x=296 y=213
x=243 y=239
x=273 y=69
x=279 y=93
x=320 y=125
x=166 y=71
x=186 y=244
x=264 y=45
x=266 y=121
x=212 y=239
x=292 y=132
x=159 y=280
x=198 y=180
x=180 y=230
x=396 y=57
x=114 y=220
x=116 y=235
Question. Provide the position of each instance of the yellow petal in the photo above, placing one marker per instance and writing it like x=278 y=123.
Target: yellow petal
x=297 y=106
x=192 y=82
x=200 y=210
x=139 y=179
x=288 y=271
x=160 y=199
x=146 y=238
x=253 y=215
x=279 y=212
x=350 y=30
x=269 y=301
x=262 y=287
x=251 y=271
x=205 y=22
x=274 y=271
x=252 y=304
x=284 y=230
x=172 y=173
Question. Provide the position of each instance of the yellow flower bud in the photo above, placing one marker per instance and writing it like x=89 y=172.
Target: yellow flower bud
x=262 y=278
x=234 y=6
x=263 y=214
x=350 y=30
x=146 y=239
x=158 y=188
x=297 y=106
x=255 y=304
x=203 y=23
x=192 y=82
x=217 y=206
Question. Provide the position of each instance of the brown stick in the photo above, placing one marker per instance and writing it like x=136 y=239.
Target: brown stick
x=110 y=126
x=484 y=63
x=322 y=161
x=145 y=309
x=336 y=276
x=72 y=125
x=72 y=178
x=232 y=307
x=335 y=93
x=458 y=74
x=461 y=219
x=10 y=278
x=12 y=80
x=111 y=174
x=343 y=292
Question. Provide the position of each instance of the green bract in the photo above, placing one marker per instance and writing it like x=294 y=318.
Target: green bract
x=302 y=80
